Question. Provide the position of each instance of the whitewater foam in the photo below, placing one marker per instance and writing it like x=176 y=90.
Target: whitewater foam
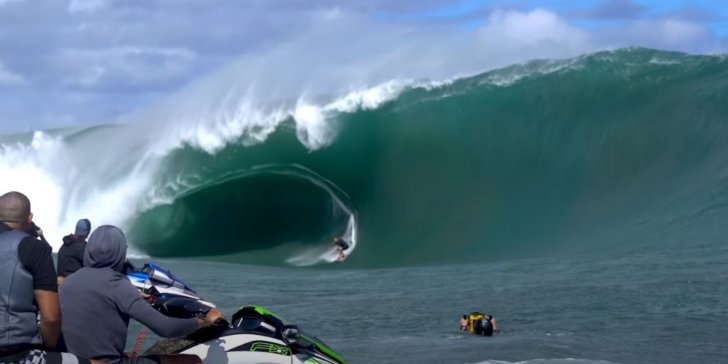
x=511 y=75
x=28 y=168
x=62 y=187
x=88 y=179
x=314 y=123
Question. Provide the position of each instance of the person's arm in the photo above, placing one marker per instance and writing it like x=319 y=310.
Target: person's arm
x=162 y=325
x=166 y=326
x=70 y=259
x=36 y=258
x=131 y=302
x=60 y=264
x=37 y=232
x=50 y=316
x=211 y=318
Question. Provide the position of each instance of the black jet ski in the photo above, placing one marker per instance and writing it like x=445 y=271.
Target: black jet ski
x=254 y=334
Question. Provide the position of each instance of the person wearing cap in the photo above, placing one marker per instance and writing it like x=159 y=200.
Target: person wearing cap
x=29 y=309
x=98 y=300
x=70 y=256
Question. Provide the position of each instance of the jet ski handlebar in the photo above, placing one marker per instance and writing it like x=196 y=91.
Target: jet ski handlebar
x=178 y=306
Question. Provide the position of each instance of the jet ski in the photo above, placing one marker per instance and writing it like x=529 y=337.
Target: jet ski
x=254 y=334
x=161 y=287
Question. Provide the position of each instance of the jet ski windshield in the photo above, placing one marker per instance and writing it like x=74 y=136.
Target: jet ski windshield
x=157 y=273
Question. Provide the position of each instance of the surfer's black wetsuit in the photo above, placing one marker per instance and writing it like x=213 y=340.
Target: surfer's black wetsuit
x=342 y=244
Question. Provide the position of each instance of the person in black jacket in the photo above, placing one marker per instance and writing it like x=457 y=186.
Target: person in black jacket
x=70 y=256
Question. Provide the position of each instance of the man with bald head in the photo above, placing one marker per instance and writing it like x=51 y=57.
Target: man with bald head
x=27 y=288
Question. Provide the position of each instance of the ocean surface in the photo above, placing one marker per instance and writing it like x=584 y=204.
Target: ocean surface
x=583 y=202
x=666 y=305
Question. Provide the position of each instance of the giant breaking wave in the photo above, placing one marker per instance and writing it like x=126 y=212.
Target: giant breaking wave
x=619 y=148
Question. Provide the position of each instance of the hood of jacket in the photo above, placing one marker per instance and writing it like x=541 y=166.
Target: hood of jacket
x=71 y=238
x=106 y=248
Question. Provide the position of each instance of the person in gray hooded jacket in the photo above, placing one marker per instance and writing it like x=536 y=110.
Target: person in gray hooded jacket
x=98 y=300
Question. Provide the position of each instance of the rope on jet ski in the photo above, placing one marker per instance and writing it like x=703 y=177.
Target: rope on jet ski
x=138 y=343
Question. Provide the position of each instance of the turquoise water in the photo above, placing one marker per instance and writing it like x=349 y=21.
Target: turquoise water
x=610 y=150
x=647 y=306
x=613 y=150
x=582 y=202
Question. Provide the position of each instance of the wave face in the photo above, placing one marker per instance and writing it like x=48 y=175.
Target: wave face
x=621 y=148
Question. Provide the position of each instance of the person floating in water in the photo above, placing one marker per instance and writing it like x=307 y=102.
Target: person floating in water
x=485 y=325
x=479 y=323
x=341 y=246
x=464 y=323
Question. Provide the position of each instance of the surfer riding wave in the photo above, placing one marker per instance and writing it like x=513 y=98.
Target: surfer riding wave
x=341 y=247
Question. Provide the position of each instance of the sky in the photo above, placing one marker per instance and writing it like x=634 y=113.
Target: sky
x=66 y=63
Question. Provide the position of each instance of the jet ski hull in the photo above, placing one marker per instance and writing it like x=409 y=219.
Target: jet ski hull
x=254 y=334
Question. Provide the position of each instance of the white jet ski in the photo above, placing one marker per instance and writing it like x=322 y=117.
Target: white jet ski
x=254 y=335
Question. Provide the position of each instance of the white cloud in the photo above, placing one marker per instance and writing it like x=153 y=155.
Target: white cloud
x=543 y=33
x=534 y=28
x=664 y=33
x=86 y=6
x=672 y=32
x=331 y=14
x=121 y=54
x=8 y=78
x=124 y=66
x=3 y=2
